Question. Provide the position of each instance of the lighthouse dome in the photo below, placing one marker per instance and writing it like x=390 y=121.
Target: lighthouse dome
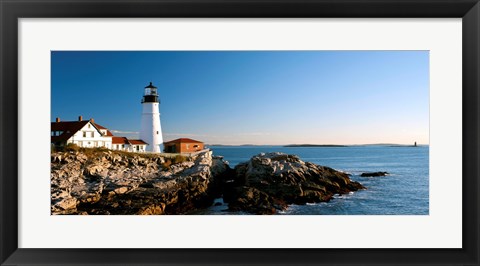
x=151 y=94
x=150 y=85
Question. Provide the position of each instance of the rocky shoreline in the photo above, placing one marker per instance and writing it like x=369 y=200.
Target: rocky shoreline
x=270 y=182
x=106 y=182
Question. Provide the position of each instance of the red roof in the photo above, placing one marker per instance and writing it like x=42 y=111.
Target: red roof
x=68 y=127
x=137 y=142
x=119 y=140
x=184 y=140
x=99 y=126
x=124 y=140
x=102 y=127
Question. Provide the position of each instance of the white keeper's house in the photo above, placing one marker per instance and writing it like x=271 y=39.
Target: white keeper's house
x=87 y=133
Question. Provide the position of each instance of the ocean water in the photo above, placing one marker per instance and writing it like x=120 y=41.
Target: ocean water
x=404 y=192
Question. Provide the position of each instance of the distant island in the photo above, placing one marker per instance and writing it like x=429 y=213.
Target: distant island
x=314 y=145
x=353 y=145
x=240 y=145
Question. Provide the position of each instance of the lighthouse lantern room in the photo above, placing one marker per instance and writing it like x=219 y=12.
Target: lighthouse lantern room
x=151 y=131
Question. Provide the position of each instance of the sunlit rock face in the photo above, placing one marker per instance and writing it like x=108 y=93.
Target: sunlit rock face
x=270 y=182
x=106 y=182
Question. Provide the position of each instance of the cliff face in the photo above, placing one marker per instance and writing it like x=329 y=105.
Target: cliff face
x=121 y=183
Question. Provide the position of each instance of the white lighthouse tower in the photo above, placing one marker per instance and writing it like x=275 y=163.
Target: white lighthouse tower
x=151 y=131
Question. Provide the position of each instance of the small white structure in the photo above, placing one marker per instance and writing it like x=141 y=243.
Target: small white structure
x=151 y=131
x=131 y=145
x=83 y=133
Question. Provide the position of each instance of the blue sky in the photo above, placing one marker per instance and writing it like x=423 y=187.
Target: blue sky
x=251 y=97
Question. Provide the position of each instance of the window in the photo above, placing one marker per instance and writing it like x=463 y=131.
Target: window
x=188 y=146
x=93 y=134
x=84 y=134
x=88 y=125
x=53 y=133
x=157 y=132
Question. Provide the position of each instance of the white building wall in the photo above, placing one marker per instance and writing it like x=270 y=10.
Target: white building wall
x=138 y=148
x=91 y=139
x=120 y=147
x=151 y=131
x=129 y=148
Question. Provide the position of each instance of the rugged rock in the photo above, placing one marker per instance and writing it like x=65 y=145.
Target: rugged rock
x=108 y=182
x=269 y=182
x=374 y=174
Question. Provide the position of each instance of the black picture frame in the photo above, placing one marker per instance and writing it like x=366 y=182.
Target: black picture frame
x=12 y=10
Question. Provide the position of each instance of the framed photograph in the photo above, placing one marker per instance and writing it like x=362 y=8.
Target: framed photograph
x=208 y=132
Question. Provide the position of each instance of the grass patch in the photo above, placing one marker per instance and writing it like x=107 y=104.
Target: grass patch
x=98 y=152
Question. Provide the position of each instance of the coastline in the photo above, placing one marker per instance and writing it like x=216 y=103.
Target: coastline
x=93 y=182
x=407 y=186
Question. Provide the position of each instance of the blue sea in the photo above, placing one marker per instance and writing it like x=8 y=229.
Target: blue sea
x=404 y=192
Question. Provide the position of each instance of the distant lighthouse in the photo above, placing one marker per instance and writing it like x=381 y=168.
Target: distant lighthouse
x=151 y=131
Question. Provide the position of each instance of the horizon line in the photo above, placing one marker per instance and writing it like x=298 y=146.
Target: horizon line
x=305 y=144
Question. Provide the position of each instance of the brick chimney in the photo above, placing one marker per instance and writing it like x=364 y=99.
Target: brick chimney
x=57 y=120
x=80 y=118
x=91 y=120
